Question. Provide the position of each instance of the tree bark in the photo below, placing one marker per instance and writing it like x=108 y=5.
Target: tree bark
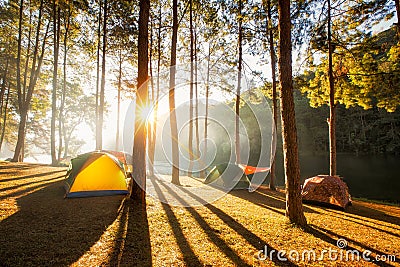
x=118 y=100
x=103 y=79
x=66 y=141
x=21 y=136
x=239 y=82
x=191 y=155
x=332 y=105
x=207 y=98
x=151 y=124
x=152 y=146
x=28 y=51
x=139 y=148
x=98 y=129
x=294 y=207
x=202 y=167
x=274 y=94
x=56 y=46
x=25 y=99
x=171 y=97
x=19 y=48
x=64 y=89
x=3 y=130
x=3 y=86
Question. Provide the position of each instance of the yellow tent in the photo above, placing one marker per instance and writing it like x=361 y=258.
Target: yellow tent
x=95 y=174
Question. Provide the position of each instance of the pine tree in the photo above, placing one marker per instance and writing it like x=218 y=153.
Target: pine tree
x=139 y=148
x=294 y=207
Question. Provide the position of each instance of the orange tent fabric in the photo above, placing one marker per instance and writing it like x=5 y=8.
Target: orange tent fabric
x=247 y=169
x=325 y=189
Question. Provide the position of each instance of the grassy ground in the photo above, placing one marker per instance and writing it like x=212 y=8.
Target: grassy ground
x=38 y=227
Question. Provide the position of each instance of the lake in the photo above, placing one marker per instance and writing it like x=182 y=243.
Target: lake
x=373 y=177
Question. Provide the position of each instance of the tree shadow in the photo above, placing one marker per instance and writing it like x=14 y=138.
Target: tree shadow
x=29 y=189
x=30 y=183
x=132 y=242
x=253 y=239
x=250 y=237
x=361 y=212
x=268 y=199
x=29 y=176
x=188 y=254
x=275 y=201
x=50 y=230
x=5 y=173
x=354 y=220
x=366 y=212
x=20 y=166
x=325 y=235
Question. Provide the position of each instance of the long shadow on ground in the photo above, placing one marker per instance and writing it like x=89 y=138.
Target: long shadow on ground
x=24 y=190
x=49 y=230
x=253 y=239
x=29 y=183
x=36 y=175
x=275 y=201
x=189 y=255
x=133 y=247
x=20 y=165
x=374 y=214
x=331 y=237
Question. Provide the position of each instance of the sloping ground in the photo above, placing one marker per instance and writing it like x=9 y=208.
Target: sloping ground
x=39 y=227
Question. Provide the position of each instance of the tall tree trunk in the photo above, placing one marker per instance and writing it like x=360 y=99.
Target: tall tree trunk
x=103 y=79
x=151 y=124
x=98 y=128
x=64 y=89
x=66 y=141
x=24 y=100
x=139 y=147
x=332 y=105
x=21 y=136
x=3 y=129
x=19 y=48
x=274 y=95
x=3 y=85
x=294 y=207
x=191 y=155
x=239 y=82
x=152 y=147
x=28 y=51
x=119 y=100
x=171 y=97
x=207 y=98
x=196 y=93
x=56 y=45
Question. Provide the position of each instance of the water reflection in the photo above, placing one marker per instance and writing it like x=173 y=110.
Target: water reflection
x=373 y=177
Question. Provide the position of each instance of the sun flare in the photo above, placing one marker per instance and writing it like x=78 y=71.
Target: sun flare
x=147 y=113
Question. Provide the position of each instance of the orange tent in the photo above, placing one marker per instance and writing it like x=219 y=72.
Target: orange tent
x=247 y=169
x=326 y=190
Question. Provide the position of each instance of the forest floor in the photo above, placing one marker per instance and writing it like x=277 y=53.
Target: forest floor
x=38 y=227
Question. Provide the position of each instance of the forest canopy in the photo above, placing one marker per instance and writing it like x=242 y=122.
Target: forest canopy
x=66 y=64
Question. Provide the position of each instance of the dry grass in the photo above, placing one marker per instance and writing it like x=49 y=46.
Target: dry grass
x=39 y=227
